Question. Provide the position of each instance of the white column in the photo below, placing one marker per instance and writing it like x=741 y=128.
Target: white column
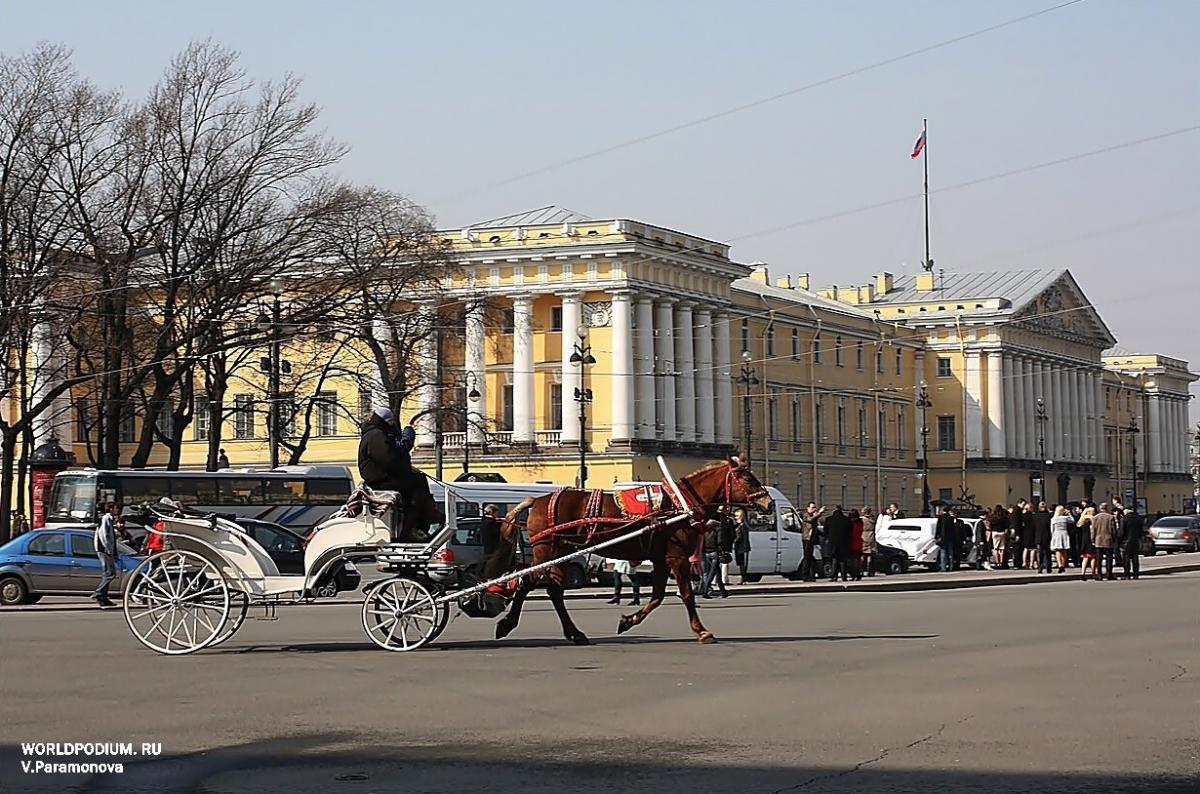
x=973 y=413
x=1010 y=408
x=643 y=363
x=475 y=362
x=572 y=374
x=723 y=379
x=1030 y=406
x=1097 y=448
x=1020 y=406
x=1154 y=436
x=664 y=352
x=622 y=368
x=42 y=376
x=705 y=410
x=996 y=406
x=522 y=432
x=685 y=366
x=1083 y=411
x=1172 y=435
x=428 y=367
x=1056 y=403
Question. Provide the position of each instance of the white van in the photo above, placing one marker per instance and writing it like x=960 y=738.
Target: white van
x=776 y=544
x=916 y=536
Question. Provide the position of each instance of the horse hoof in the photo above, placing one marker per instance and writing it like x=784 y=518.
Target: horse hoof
x=580 y=639
x=706 y=638
x=625 y=625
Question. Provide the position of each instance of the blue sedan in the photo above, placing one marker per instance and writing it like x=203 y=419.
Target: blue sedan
x=56 y=562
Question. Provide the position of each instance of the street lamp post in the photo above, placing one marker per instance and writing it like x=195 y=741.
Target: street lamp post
x=1041 y=418
x=1132 y=430
x=747 y=378
x=924 y=403
x=272 y=366
x=582 y=357
x=471 y=396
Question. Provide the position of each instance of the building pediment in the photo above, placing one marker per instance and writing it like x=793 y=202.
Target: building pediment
x=1061 y=309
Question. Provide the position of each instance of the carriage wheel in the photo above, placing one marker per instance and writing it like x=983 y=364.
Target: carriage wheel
x=239 y=605
x=177 y=602
x=401 y=615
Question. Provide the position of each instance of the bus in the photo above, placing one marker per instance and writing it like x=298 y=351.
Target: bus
x=298 y=497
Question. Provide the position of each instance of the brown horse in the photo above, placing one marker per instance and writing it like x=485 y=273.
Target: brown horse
x=669 y=548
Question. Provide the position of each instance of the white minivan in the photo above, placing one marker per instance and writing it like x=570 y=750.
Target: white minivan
x=776 y=545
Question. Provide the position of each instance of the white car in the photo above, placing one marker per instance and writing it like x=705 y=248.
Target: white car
x=915 y=536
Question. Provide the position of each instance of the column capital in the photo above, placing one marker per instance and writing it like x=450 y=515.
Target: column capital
x=663 y=300
x=572 y=295
x=621 y=294
x=521 y=297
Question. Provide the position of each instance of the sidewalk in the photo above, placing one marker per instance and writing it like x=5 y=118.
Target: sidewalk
x=915 y=580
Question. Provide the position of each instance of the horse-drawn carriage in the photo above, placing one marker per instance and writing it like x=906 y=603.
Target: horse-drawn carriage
x=196 y=593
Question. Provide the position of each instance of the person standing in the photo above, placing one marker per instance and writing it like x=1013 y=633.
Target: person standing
x=1060 y=536
x=998 y=534
x=810 y=534
x=741 y=543
x=106 y=550
x=1087 y=551
x=946 y=535
x=837 y=528
x=489 y=538
x=1132 y=532
x=1029 y=537
x=1104 y=538
x=712 y=560
x=20 y=524
x=1041 y=536
x=1016 y=538
x=869 y=546
x=622 y=569
x=856 y=543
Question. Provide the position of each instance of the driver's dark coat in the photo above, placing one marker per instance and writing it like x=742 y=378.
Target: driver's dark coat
x=383 y=460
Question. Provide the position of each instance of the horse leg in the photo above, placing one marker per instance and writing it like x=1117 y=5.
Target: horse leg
x=683 y=578
x=658 y=583
x=506 y=624
x=555 y=589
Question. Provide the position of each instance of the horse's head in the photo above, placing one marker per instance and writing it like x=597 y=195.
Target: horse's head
x=742 y=487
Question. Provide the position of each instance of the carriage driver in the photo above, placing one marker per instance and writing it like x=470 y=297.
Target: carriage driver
x=383 y=457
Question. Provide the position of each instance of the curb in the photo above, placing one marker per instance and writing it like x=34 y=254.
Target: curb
x=930 y=581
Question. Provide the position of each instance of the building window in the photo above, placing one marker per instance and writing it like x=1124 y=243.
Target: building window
x=945 y=431
x=770 y=341
x=816 y=352
x=819 y=425
x=200 y=417
x=837 y=351
x=900 y=429
x=858 y=355
x=554 y=419
x=796 y=421
x=865 y=500
x=506 y=395
x=862 y=429
x=166 y=419
x=125 y=430
x=882 y=430
x=327 y=405
x=287 y=415
x=83 y=420
x=1107 y=398
x=772 y=420
x=508 y=321
x=841 y=428
x=795 y=343
x=879 y=360
x=745 y=335
x=945 y=494
x=243 y=416
x=943 y=367
x=555 y=319
x=366 y=400
x=899 y=361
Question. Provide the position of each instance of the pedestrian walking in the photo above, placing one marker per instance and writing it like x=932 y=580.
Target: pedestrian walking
x=222 y=459
x=856 y=543
x=810 y=534
x=741 y=543
x=622 y=569
x=20 y=525
x=106 y=550
x=946 y=535
x=1087 y=551
x=713 y=541
x=1060 y=536
x=869 y=545
x=1132 y=531
x=1104 y=537
x=1042 y=520
x=837 y=528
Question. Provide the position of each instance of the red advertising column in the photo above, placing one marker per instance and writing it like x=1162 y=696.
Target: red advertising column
x=45 y=462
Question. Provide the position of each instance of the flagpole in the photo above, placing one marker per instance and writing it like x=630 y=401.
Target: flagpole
x=925 y=157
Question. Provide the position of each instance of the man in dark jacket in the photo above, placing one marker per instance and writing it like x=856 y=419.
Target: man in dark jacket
x=1132 y=532
x=1039 y=523
x=946 y=534
x=1016 y=544
x=383 y=458
x=837 y=529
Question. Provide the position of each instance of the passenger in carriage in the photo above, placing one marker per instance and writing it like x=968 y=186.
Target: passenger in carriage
x=384 y=460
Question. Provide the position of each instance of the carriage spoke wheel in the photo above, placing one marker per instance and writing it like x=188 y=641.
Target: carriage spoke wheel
x=177 y=602
x=239 y=606
x=401 y=615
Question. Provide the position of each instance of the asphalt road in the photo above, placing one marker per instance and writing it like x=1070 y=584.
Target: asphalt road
x=1063 y=687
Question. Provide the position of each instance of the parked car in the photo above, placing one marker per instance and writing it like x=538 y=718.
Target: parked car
x=286 y=549
x=887 y=559
x=56 y=562
x=1176 y=533
x=916 y=538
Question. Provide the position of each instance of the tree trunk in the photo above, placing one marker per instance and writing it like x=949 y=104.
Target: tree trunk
x=8 y=447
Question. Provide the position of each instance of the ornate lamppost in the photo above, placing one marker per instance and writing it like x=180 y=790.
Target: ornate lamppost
x=472 y=395
x=747 y=378
x=924 y=403
x=272 y=366
x=582 y=357
x=1133 y=430
x=1041 y=418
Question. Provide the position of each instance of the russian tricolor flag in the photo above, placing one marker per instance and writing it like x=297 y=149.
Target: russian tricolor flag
x=919 y=146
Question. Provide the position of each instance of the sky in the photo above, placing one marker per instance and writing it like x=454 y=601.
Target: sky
x=448 y=101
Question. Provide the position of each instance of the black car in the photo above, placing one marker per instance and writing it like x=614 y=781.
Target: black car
x=887 y=559
x=286 y=549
